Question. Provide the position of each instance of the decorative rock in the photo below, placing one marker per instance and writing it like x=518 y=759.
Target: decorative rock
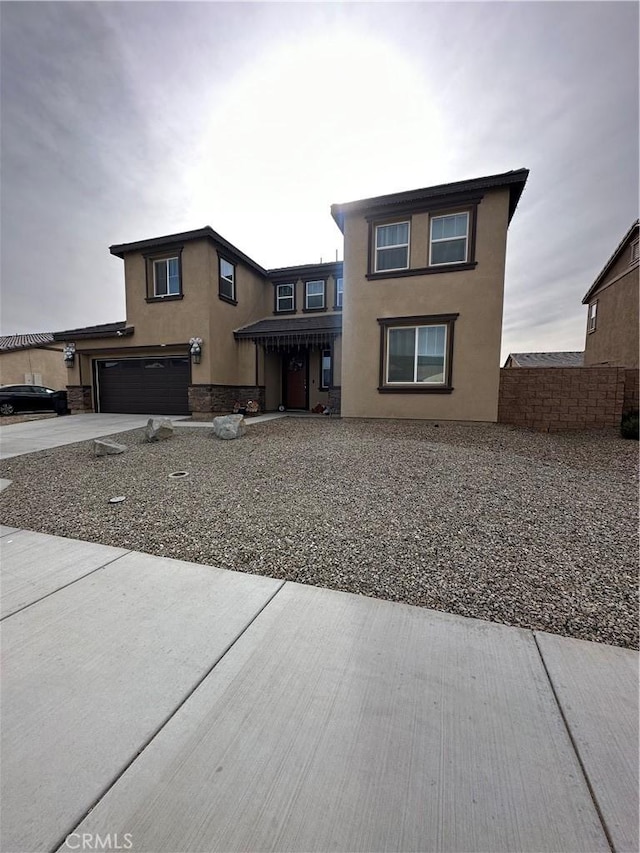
x=104 y=447
x=229 y=426
x=158 y=430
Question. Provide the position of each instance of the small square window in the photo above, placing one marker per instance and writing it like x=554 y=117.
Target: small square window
x=339 y=292
x=591 y=322
x=166 y=277
x=449 y=239
x=285 y=297
x=314 y=295
x=227 y=286
x=392 y=247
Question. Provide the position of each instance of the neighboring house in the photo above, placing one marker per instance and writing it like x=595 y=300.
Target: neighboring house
x=207 y=326
x=544 y=359
x=32 y=360
x=612 y=316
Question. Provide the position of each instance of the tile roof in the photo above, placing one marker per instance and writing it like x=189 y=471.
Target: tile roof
x=13 y=342
x=547 y=359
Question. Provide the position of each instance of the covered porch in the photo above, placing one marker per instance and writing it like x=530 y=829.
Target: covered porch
x=302 y=357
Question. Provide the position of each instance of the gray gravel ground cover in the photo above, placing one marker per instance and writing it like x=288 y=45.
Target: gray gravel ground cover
x=488 y=521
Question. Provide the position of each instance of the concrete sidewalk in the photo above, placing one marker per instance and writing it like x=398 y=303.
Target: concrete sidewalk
x=185 y=707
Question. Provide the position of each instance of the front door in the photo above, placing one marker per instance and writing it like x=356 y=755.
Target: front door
x=295 y=379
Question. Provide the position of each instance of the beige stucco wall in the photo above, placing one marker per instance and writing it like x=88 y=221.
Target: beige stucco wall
x=315 y=394
x=615 y=339
x=272 y=381
x=330 y=295
x=49 y=364
x=337 y=362
x=234 y=362
x=477 y=295
x=200 y=313
x=173 y=321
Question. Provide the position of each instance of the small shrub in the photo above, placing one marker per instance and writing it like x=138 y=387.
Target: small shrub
x=629 y=425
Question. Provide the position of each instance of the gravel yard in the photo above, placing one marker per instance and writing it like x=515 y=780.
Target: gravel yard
x=528 y=529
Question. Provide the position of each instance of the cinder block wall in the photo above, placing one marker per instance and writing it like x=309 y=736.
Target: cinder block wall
x=551 y=399
x=631 y=390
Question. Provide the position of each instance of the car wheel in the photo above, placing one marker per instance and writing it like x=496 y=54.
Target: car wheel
x=6 y=409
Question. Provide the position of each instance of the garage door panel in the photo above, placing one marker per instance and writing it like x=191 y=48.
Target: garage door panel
x=144 y=385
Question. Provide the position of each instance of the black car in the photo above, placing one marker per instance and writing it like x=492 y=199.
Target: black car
x=31 y=398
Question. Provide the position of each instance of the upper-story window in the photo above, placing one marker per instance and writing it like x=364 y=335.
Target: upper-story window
x=635 y=251
x=449 y=239
x=285 y=297
x=314 y=295
x=591 y=322
x=227 y=281
x=339 y=292
x=392 y=247
x=166 y=277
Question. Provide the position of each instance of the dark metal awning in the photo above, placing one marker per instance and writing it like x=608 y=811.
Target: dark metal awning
x=285 y=332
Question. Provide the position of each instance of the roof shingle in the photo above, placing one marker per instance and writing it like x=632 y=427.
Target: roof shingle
x=13 y=342
x=291 y=331
x=547 y=359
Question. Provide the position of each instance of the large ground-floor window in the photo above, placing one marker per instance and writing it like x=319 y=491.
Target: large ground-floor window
x=416 y=353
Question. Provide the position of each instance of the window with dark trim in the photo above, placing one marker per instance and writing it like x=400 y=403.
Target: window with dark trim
x=591 y=322
x=314 y=295
x=391 y=246
x=227 y=281
x=163 y=272
x=416 y=354
x=166 y=277
x=326 y=367
x=285 y=297
x=448 y=239
x=339 y=292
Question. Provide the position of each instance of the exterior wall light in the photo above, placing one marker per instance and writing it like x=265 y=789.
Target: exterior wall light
x=195 y=349
x=69 y=354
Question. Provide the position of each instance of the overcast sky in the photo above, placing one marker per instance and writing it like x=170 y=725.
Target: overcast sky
x=123 y=121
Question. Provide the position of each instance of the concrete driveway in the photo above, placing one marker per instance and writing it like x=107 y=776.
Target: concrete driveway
x=17 y=439
x=172 y=706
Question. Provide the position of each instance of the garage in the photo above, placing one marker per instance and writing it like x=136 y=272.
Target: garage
x=140 y=386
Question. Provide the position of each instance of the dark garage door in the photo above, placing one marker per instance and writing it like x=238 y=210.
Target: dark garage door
x=154 y=386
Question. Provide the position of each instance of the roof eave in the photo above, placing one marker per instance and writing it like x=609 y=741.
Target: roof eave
x=206 y=233
x=516 y=180
x=612 y=260
x=78 y=335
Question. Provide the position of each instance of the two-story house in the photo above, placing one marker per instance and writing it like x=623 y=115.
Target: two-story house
x=612 y=315
x=408 y=327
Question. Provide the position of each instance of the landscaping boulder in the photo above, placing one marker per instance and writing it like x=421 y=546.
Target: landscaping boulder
x=158 y=430
x=104 y=447
x=229 y=426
